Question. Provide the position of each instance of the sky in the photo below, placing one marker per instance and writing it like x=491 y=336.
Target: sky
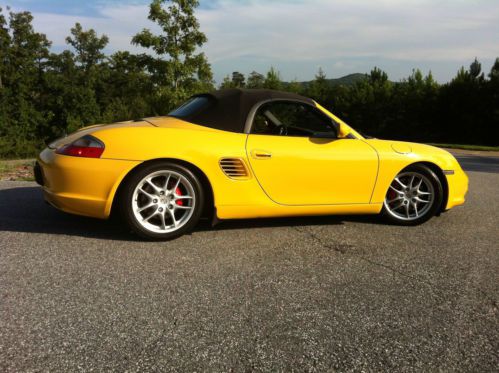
x=298 y=37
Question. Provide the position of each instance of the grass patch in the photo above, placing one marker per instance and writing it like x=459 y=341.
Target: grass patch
x=17 y=170
x=468 y=147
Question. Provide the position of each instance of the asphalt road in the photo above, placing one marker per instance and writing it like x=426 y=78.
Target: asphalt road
x=314 y=294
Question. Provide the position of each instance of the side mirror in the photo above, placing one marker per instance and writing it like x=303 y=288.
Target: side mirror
x=329 y=135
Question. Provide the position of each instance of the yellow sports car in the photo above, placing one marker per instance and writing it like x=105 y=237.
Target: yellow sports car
x=236 y=154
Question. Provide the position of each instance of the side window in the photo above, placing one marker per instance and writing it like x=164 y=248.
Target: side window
x=286 y=118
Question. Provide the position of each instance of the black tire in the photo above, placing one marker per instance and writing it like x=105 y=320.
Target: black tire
x=126 y=201
x=430 y=211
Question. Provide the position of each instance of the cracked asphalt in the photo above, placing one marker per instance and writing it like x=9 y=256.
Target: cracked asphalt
x=307 y=294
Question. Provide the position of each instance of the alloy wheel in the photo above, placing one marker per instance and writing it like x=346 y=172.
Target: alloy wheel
x=410 y=196
x=163 y=201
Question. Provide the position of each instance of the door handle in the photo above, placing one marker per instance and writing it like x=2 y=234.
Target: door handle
x=261 y=154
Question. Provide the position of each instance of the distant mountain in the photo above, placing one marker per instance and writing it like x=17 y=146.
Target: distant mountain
x=350 y=79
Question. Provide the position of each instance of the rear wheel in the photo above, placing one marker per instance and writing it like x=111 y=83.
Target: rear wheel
x=414 y=196
x=162 y=201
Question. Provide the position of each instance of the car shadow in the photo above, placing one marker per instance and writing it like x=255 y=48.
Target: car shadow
x=22 y=209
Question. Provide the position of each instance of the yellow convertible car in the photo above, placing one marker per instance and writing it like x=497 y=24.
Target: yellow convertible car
x=236 y=154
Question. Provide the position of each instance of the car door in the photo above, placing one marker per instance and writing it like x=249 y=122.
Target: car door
x=297 y=159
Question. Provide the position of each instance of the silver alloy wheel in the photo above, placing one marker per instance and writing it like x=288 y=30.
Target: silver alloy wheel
x=410 y=196
x=163 y=201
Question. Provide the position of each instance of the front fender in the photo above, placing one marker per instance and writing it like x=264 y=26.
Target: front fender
x=394 y=156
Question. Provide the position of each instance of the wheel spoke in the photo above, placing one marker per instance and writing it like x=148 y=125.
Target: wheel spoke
x=172 y=216
x=156 y=188
x=150 y=216
x=394 y=189
x=165 y=186
x=147 y=194
x=398 y=206
x=407 y=210
x=145 y=207
x=412 y=181
x=415 y=206
x=177 y=184
x=182 y=197
x=421 y=200
x=395 y=199
x=179 y=207
x=419 y=184
x=400 y=183
x=162 y=218
x=420 y=193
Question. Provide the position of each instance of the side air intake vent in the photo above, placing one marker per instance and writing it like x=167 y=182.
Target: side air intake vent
x=234 y=168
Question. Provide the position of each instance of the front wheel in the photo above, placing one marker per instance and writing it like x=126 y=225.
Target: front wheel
x=162 y=201
x=414 y=196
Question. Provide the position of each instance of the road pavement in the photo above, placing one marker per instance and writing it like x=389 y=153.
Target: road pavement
x=304 y=294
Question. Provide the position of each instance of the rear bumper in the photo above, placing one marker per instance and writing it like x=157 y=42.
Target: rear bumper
x=458 y=187
x=82 y=186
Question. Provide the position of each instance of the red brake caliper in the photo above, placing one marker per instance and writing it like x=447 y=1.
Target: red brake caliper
x=178 y=192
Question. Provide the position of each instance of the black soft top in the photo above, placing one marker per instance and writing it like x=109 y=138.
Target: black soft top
x=228 y=109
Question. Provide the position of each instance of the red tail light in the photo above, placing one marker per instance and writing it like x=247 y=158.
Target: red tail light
x=86 y=146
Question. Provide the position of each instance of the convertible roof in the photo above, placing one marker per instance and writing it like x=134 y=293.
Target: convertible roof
x=230 y=107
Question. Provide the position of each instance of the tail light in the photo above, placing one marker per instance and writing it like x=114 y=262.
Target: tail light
x=86 y=146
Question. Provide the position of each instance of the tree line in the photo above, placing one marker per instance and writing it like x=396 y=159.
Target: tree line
x=45 y=94
x=462 y=111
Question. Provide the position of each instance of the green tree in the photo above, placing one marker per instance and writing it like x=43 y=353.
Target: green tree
x=4 y=46
x=255 y=80
x=71 y=100
x=370 y=105
x=79 y=80
x=238 y=79
x=319 y=89
x=227 y=83
x=492 y=95
x=494 y=72
x=88 y=46
x=273 y=79
x=476 y=71
x=463 y=107
x=127 y=87
x=23 y=55
x=177 y=71
x=294 y=86
x=414 y=107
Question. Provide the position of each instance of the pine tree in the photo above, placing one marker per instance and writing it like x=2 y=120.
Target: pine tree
x=319 y=88
x=273 y=79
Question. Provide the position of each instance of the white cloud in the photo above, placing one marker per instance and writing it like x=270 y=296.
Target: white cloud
x=339 y=28
x=282 y=33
